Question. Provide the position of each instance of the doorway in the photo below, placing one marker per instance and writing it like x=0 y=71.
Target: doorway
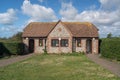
x=89 y=46
x=31 y=45
x=74 y=45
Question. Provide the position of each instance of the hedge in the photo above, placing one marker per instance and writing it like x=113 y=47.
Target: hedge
x=11 y=49
x=110 y=48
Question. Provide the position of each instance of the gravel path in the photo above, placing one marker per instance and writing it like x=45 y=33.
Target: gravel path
x=6 y=62
x=111 y=66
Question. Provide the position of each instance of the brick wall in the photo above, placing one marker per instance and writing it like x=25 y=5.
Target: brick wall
x=38 y=48
x=59 y=32
x=95 y=45
x=83 y=46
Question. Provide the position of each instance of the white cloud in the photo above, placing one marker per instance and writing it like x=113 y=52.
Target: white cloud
x=105 y=18
x=9 y=30
x=37 y=12
x=116 y=23
x=100 y=17
x=110 y=5
x=67 y=11
x=8 y=17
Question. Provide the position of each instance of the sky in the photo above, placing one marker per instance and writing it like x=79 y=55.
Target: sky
x=16 y=14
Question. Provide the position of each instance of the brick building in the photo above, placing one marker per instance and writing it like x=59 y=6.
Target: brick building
x=61 y=37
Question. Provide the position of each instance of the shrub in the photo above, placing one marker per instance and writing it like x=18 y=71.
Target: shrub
x=11 y=49
x=110 y=48
x=45 y=51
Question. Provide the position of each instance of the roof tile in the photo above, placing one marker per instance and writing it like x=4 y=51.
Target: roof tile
x=78 y=29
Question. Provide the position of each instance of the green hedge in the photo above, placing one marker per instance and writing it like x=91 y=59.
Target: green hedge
x=110 y=48
x=11 y=49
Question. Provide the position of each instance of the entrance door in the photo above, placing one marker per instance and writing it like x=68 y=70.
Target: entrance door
x=74 y=45
x=31 y=45
x=89 y=46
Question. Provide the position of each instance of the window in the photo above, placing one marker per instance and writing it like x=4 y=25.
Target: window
x=40 y=42
x=55 y=43
x=64 y=43
x=78 y=42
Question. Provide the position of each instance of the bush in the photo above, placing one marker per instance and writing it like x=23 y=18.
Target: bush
x=11 y=49
x=110 y=48
x=45 y=51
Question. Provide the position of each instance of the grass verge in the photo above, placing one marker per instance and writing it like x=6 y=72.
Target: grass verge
x=56 y=67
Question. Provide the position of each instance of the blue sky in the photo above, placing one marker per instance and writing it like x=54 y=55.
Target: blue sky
x=16 y=14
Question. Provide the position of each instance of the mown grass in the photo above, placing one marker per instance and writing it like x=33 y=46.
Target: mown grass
x=56 y=67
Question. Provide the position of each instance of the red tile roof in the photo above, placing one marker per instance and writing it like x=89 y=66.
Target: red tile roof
x=78 y=29
x=38 y=29
x=82 y=29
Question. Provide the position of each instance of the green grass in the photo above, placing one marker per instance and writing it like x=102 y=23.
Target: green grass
x=56 y=67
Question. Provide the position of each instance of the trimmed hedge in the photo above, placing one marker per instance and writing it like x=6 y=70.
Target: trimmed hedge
x=7 y=49
x=110 y=48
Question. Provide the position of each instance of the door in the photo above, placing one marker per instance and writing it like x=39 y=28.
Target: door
x=89 y=46
x=31 y=45
x=74 y=45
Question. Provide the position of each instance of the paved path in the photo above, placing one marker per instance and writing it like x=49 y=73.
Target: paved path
x=111 y=66
x=6 y=62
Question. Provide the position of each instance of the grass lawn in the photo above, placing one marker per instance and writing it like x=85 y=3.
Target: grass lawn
x=56 y=67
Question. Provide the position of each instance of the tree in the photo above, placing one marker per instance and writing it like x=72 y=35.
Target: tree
x=17 y=37
x=109 y=35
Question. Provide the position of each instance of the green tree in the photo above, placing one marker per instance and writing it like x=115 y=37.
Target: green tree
x=17 y=37
x=109 y=35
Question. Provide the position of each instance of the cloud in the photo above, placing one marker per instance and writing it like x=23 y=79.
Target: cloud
x=99 y=17
x=68 y=11
x=110 y=5
x=37 y=12
x=9 y=30
x=105 y=18
x=8 y=17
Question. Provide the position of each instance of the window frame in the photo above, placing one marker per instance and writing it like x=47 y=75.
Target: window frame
x=41 y=41
x=78 y=42
x=63 y=43
x=52 y=43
